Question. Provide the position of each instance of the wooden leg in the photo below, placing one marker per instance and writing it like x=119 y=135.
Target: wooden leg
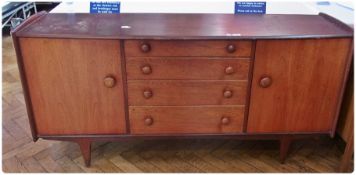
x=347 y=156
x=85 y=147
x=285 y=142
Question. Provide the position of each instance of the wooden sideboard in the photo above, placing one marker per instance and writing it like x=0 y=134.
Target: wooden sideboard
x=109 y=77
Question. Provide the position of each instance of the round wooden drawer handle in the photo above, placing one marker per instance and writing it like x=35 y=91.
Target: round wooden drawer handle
x=109 y=81
x=265 y=82
x=227 y=94
x=225 y=120
x=148 y=121
x=145 y=47
x=147 y=94
x=231 y=48
x=229 y=70
x=146 y=69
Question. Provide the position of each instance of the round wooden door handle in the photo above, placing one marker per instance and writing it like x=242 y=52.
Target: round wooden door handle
x=265 y=82
x=231 y=48
x=147 y=94
x=225 y=120
x=109 y=81
x=229 y=70
x=145 y=47
x=146 y=69
x=148 y=121
x=227 y=93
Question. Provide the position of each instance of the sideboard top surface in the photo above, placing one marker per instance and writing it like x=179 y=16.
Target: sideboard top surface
x=183 y=26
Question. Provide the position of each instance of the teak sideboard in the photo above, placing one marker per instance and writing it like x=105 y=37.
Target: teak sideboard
x=108 y=77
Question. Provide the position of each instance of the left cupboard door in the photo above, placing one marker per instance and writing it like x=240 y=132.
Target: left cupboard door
x=75 y=85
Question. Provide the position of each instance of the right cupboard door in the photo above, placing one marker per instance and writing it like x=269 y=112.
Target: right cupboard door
x=296 y=85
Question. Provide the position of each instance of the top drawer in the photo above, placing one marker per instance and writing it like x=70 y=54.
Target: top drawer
x=241 y=48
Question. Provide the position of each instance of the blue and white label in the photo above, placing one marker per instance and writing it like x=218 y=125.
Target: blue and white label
x=104 y=7
x=250 y=7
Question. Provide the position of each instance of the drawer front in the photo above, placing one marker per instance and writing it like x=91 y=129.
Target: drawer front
x=235 y=48
x=176 y=92
x=189 y=68
x=186 y=120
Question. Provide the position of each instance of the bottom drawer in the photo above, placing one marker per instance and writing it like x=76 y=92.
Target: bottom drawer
x=186 y=120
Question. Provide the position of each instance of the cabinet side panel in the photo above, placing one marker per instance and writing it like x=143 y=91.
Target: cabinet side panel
x=65 y=80
x=307 y=76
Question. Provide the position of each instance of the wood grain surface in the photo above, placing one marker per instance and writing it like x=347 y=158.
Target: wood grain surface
x=188 y=68
x=192 y=119
x=185 y=92
x=185 y=26
x=345 y=127
x=297 y=84
x=306 y=78
x=188 y=48
x=21 y=155
x=66 y=85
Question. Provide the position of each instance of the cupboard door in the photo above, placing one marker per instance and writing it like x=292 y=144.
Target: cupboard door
x=75 y=85
x=296 y=85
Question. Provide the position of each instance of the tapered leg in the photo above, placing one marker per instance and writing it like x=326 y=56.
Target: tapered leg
x=285 y=142
x=347 y=156
x=85 y=147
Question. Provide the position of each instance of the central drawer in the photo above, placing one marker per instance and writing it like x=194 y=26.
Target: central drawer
x=186 y=92
x=226 y=48
x=188 y=68
x=186 y=120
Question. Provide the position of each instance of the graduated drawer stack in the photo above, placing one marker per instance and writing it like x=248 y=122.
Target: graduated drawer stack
x=187 y=87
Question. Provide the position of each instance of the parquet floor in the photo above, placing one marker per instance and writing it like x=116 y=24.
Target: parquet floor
x=20 y=154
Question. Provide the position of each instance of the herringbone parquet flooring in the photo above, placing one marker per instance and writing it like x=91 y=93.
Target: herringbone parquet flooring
x=20 y=154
